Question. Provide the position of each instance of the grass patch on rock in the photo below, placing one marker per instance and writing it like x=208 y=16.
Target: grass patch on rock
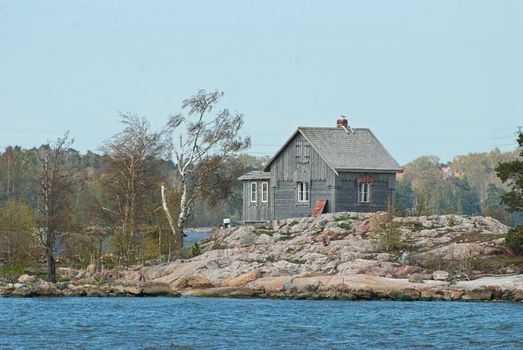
x=297 y=261
x=285 y=238
x=263 y=231
x=346 y=218
x=344 y=225
x=478 y=237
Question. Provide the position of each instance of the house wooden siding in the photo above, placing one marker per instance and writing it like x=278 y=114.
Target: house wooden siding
x=332 y=162
x=256 y=211
x=382 y=191
x=287 y=169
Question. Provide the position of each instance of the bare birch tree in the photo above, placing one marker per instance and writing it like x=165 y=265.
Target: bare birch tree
x=201 y=141
x=131 y=175
x=55 y=186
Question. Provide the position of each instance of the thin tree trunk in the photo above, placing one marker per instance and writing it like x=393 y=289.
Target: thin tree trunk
x=51 y=266
x=176 y=227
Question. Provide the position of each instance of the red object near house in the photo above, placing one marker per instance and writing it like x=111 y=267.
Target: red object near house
x=319 y=207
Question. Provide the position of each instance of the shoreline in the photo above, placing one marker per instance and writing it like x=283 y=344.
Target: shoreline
x=349 y=287
x=337 y=256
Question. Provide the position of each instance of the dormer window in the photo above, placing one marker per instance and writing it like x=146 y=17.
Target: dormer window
x=303 y=151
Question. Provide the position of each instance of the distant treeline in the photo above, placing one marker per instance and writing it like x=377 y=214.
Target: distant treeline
x=19 y=166
x=93 y=197
x=467 y=185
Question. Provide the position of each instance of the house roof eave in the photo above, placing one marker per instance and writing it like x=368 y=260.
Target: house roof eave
x=370 y=170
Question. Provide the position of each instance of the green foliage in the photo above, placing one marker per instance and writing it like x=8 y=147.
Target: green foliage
x=11 y=272
x=468 y=237
x=451 y=220
x=192 y=251
x=285 y=238
x=467 y=268
x=387 y=235
x=405 y=196
x=18 y=239
x=512 y=173
x=514 y=240
x=263 y=230
x=345 y=225
x=297 y=261
x=466 y=186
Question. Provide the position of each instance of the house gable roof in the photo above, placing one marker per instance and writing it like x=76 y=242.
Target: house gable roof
x=255 y=175
x=359 y=151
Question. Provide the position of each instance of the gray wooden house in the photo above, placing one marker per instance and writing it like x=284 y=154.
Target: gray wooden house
x=325 y=170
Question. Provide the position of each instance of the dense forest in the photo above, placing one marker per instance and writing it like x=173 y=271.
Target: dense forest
x=91 y=227
x=468 y=185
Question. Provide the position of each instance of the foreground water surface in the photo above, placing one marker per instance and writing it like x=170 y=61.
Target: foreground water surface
x=204 y=323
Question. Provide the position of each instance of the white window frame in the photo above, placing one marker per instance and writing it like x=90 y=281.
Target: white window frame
x=303 y=192
x=254 y=192
x=265 y=192
x=364 y=190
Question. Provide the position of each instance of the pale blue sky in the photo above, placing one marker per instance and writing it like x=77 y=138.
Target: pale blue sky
x=428 y=77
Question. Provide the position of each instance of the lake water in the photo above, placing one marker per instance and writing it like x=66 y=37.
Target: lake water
x=195 y=236
x=204 y=323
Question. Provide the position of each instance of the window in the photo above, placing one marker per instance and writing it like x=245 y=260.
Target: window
x=254 y=192
x=364 y=192
x=303 y=192
x=303 y=152
x=299 y=147
x=265 y=192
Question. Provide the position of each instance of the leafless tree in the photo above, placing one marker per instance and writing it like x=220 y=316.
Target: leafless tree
x=54 y=181
x=131 y=172
x=201 y=141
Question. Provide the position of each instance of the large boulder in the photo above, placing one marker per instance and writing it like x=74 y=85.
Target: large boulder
x=461 y=251
x=365 y=267
x=25 y=278
x=47 y=289
x=194 y=282
x=440 y=275
x=241 y=279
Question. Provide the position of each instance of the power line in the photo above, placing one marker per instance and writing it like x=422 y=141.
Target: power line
x=501 y=137
x=507 y=128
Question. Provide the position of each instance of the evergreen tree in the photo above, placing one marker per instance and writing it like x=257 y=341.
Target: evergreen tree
x=511 y=173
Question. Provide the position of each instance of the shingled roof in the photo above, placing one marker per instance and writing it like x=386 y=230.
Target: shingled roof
x=255 y=175
x=360 y=151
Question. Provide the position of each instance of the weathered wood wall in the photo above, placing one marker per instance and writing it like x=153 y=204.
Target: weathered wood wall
x=381 y=193
x=288 y=169
x=255 y=211
x=341 y=192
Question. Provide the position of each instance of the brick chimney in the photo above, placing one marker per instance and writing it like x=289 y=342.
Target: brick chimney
x=342 y=123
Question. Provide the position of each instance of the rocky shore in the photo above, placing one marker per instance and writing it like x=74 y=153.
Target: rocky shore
x=335 y=256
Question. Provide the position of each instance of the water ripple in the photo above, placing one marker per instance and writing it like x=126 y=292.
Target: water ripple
x=202 y=323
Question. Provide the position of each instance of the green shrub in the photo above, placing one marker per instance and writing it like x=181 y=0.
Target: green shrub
x=452 y=220
x=285 y=238
x=387 y=236
x=297 y=261
x=263 y=230
x=346 y=218
x=344 y=225
x=12 y=271
x=514 y=240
